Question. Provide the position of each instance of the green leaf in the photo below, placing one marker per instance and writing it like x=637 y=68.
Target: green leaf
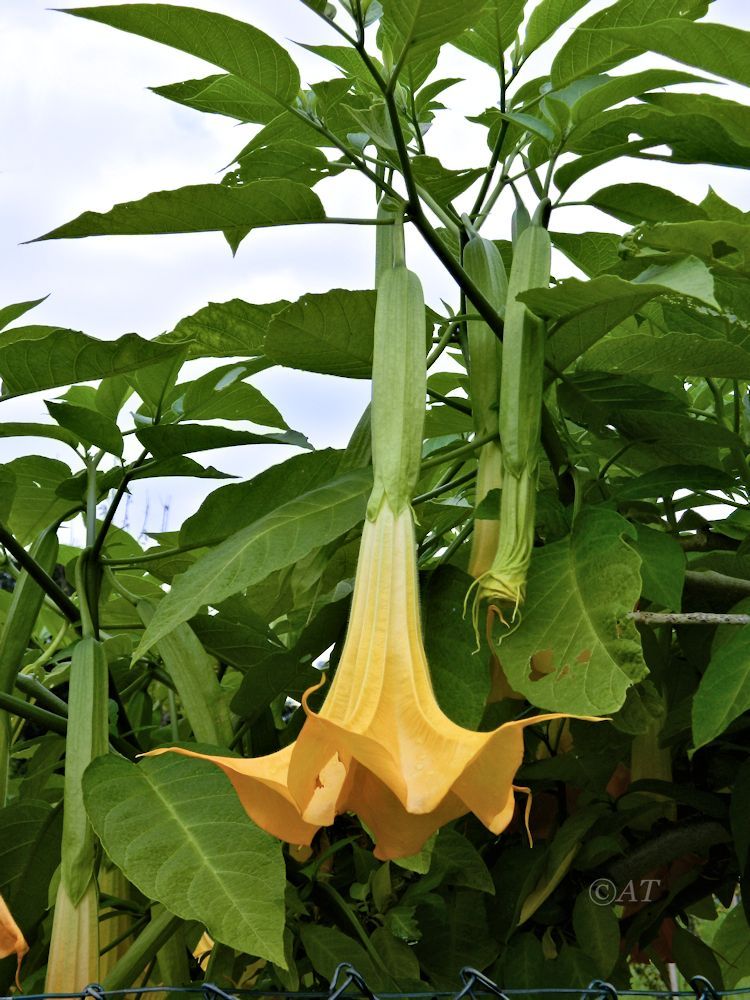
x=294 y=160
x=586 y=653
x=459 y=863
x=492 y=31
x=167 y=440
x=198 y=853
x=681 y=354
x=593 y=253
x=235 y=46
x=724 y=690
x=717 y=48
x=636 y=203
x=43 y=357
x=615 y=89
x=9 y=313
x=327 y=947
x=92 y=428
x=329 y=332
x=666 y=481
x=569 y=173
x=597 y=930
x=546 y=18
x=233 y=507
x=277 y=540
x=662 y=567
x=201 y=208
x=593 y=398
x=220 y=94
x=413 y=27
x=221 y=394
x=693 y=957
x=724 y=243
x=455 y=934
x=460 y=676
x=586 y=51
x=584 y=311
x=731 y=943
x=226 y=329
x=36 y=503
x=442 y=183
x=30 y=832
x=12 y=429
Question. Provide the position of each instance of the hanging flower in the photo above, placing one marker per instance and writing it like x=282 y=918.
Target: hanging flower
x=381 y=746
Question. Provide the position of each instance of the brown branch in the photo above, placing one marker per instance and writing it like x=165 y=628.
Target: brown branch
x=688 y=618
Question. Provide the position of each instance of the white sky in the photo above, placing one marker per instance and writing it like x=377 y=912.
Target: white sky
x=81 y=131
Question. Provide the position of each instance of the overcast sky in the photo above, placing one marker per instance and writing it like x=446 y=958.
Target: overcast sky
x=81 y=131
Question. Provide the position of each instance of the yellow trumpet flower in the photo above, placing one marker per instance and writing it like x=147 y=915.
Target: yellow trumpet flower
x=381 y=746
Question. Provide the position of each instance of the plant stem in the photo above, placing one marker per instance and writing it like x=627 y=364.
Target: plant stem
x=466 y=449
x=688 y=618
x=444 y=488
x=153 y=556
x=456 y=404
x=158 y=931
x=36 y=572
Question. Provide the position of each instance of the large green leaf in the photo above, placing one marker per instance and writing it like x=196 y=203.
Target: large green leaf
x=221 y=394
x=546 y=18
x=598 y=931
x=705 y=130
x=492 y=31
x=724 y=690
x=226 y=329
x=731 y=943
x=583 y=311
x=177 y=830
x=587 y=52
x=671 y=354
x=636 y=203
x=716 y=48
x=330 y=332
x=454 y=933
x=201 y=208
x=570 y=172
x=277 y=540
x=42 y=357
x=576 y=651
x=615 y=89
x=667 y=480
x=235 y=46
x=461 y=677
x=232 y=507
x=413 y=27
x=167 y=440
x=327 y=947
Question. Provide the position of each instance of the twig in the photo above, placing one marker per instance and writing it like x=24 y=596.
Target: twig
x=688 y=618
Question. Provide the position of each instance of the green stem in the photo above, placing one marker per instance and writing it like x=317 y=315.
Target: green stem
x=50 y=721
x=466 y=449
x=36 y=572
x=456 y=404
x=441 y=345
x=98 y=541
x=148 y=557
x=444 y=488
x=157 y=932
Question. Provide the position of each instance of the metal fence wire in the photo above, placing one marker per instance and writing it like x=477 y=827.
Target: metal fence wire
x=349 y=984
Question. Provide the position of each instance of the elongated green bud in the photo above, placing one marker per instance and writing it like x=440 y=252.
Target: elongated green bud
x=88 y=719
x=484 y=265
x=16 y=635
x=399 y=380
x=521 y=390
